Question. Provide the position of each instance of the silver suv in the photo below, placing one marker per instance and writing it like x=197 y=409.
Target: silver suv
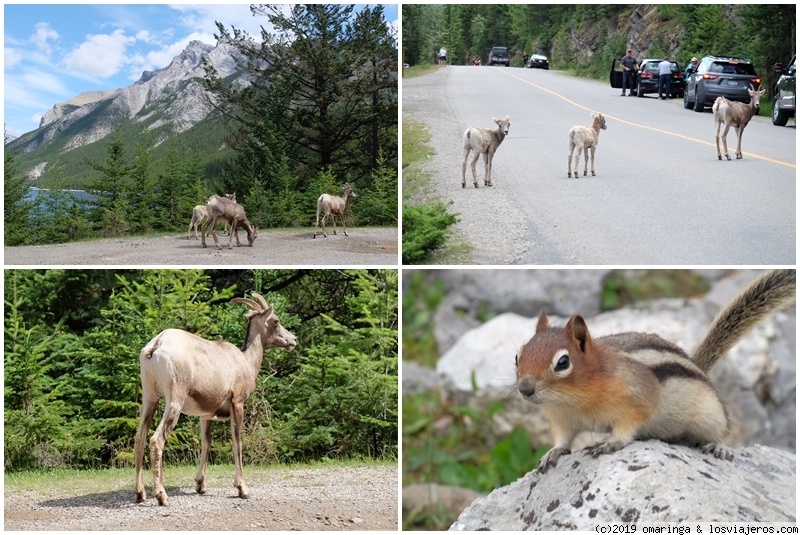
x=718 y=76
x=783 y=107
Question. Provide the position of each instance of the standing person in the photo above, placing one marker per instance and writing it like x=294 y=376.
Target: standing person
x=628 y=63
x=665 y=78
x=690 y=69
x=442 y=57
x=524 y=59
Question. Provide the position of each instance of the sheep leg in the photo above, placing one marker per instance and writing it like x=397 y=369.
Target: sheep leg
x=205 y=441
x=472 y=165
x=592 y=149
x=585 y=160
x=316 y=224
x=237 y=416
x=569 y=160
x=725 y=141
x=214 y=225
x=464 y=167
x=146 y=413
x=344 y=226
x=739 y=132
x=487 y=163
x=577 y=160
x=230 y=234
x=171 y=414
x=333 y=219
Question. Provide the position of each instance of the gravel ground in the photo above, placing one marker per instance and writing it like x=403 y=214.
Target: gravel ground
x=481 y=214
x=336 y=498
x=362 y=246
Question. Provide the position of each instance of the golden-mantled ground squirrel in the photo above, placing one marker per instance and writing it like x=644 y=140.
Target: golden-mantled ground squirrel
x=637 y=385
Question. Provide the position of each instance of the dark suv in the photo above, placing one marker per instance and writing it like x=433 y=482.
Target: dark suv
x=783 y=107
x=498 y=55
x=648 y=78
x=718 y=76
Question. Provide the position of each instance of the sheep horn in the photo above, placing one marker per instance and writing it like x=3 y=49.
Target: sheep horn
x=264 y=305
x=249 y=302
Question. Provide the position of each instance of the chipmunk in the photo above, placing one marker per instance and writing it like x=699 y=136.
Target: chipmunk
x=638 y=385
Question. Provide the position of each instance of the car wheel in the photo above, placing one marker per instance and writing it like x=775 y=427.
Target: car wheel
x=639 y=92
x=779 y=117
x=698 y=101
x=686 y=103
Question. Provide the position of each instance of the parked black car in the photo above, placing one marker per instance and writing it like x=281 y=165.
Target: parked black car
x=784 y=105
x=538 y=61
x=498 y=56
x=718 y=76
x=647 y=79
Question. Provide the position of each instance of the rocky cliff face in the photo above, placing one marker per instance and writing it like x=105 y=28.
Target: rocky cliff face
x=168 y=96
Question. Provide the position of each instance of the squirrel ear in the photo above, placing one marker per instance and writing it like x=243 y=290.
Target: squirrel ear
x=578 y=332
x=543 y=323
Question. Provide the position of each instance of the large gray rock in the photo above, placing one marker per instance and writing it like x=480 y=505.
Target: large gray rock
x=644 y=482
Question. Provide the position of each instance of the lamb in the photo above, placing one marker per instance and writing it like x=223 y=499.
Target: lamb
x=737 y=115
x=585 y=138
x=222 y=209
x=209 y=379
x=483 y=141
x=331 y=205
x=200 y=214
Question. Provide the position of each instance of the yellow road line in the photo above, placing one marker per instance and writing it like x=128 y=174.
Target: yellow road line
x=660 y=131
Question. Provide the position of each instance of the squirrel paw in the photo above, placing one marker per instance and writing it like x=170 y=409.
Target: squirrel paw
x=550 y=458
x=718 y=450
x=604 y=447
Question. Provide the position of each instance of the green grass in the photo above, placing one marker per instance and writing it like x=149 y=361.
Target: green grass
x=78 y=481
x=419 y=70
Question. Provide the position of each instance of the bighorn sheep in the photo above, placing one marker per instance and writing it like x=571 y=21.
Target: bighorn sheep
x=483 y=141
x=220 y=208
x=737 y=115
x=209 y=379
x=331 y=205
x=200 y=214
x=585 y=138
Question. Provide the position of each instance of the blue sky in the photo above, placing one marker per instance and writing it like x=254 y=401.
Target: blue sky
x=54 y=52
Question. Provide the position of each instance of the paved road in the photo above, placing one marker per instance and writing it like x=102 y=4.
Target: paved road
x=660 y=196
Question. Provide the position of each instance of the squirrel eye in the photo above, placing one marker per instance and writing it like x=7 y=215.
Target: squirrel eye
x=516 y=360
x=562 y=364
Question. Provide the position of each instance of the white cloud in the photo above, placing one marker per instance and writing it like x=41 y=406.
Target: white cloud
x=99 y=56
x=43 y=35
x=11 y=57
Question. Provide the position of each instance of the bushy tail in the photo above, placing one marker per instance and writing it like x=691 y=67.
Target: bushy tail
x=768 y=293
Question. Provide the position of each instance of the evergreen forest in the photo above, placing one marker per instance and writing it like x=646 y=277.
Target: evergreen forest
x=585 y=38
x=320 y=110
x=71 y=363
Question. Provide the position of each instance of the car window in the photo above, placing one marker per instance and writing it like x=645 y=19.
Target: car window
x=734 y=68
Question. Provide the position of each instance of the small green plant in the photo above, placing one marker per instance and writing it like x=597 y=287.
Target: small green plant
x=425 y=229
x=420 y=301
x=621 y=288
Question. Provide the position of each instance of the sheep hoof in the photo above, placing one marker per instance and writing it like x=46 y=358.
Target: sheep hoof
x=593 y=173
x=719 y=157
x=463 y=185
x=140 y=496
x=728 y=157
x=476 y=184
x=162 y=498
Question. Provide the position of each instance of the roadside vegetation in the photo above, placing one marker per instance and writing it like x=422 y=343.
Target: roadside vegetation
x=426 y=221
x=71 y=364
x=454 y=445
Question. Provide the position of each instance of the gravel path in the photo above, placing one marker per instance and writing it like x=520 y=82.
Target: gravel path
x=482 y=212
x=362 y=246
x=336 y=498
